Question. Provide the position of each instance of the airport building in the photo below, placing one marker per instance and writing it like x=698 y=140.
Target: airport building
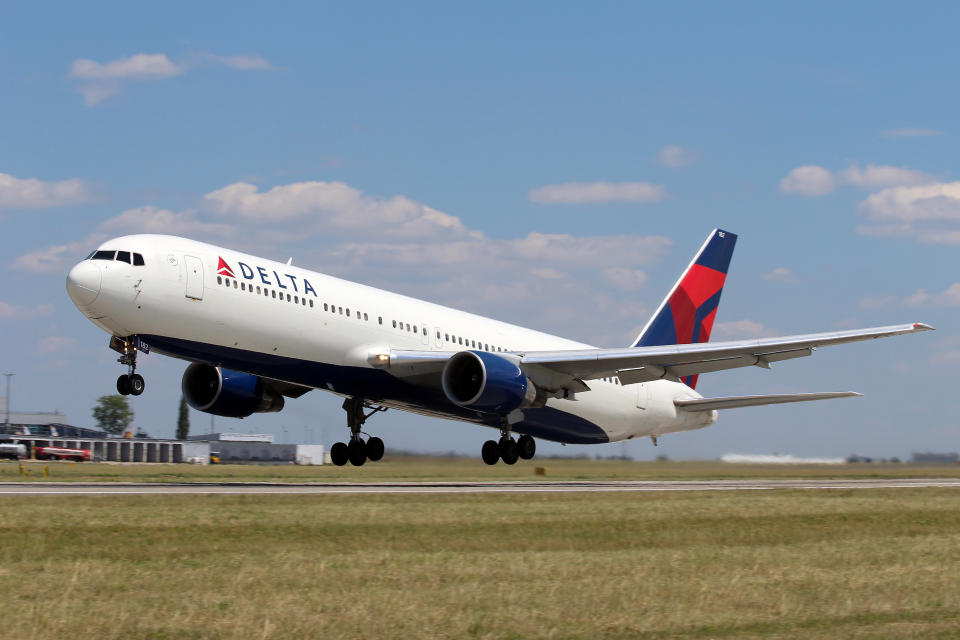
x=245 y=447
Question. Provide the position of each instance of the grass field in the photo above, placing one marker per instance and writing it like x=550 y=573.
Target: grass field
x=453 y=469
x=786 y=564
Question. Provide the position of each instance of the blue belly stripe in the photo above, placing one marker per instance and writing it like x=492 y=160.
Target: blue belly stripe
x=375 y=385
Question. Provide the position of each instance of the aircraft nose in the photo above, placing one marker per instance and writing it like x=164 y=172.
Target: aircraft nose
x=83 y=283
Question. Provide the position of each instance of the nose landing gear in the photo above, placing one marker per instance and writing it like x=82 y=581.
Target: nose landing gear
x=357 y=451
x=131 y=383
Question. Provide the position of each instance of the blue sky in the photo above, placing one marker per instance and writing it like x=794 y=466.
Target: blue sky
x=553 y=165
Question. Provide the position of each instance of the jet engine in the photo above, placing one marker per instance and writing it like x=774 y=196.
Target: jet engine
x=227 y=393
x=488 y=382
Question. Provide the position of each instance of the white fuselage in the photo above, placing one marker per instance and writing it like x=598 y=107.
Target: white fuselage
x=184 y=303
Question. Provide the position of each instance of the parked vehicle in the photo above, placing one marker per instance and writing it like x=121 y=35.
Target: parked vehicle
x=62 y=453
x=12 y=451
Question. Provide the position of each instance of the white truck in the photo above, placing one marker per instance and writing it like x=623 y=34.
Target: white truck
x=12 y=451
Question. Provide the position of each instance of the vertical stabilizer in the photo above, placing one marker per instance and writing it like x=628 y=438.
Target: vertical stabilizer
x=686 y=315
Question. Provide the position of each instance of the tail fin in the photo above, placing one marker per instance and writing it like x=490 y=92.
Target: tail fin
x=686 y=315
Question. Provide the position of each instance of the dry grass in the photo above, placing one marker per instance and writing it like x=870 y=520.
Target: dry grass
x=866 y=563
x=457 y=469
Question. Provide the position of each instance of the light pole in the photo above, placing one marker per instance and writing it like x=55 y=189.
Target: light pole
x=7 y=420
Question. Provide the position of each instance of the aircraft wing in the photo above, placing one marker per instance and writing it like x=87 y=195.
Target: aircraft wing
x=673 y=362
x=566 y=370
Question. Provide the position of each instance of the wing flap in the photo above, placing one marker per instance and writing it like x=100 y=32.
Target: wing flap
x=734 y=402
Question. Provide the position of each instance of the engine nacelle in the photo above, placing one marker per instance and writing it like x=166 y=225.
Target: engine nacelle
x=487 y=382
x=227 y=393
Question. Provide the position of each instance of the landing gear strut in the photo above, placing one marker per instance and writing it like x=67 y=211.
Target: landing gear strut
x=131 y=383
x=357 y=451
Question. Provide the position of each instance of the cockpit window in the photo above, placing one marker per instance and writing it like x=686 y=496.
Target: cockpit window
x=138 y=260
x=123 y=256
x=103 y=255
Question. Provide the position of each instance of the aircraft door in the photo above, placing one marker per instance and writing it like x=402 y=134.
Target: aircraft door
x=643 y=392
x=194 y=277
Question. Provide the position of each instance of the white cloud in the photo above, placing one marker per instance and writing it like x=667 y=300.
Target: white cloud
x=928 y=213
x=10 y=311
x=142 y=66
x=674 y=156
x=809 y=180
x=99 y=81
x=909 y=132
x=54 y=259
x=155 y=220
x=29 y=193
x=741 y=330
x=625 y=278
x=245 y=62
x=596 y=192
x=938 y=201
x=780 y=274
x=882 y=176
x=950 y=297
x=333 y=204
x=55 y=344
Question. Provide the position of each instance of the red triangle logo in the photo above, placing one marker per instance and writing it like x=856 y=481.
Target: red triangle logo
x=224 y=269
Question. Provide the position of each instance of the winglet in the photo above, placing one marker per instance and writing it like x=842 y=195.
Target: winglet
x=922 y=326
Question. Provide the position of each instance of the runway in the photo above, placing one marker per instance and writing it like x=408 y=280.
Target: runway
x=197 y=488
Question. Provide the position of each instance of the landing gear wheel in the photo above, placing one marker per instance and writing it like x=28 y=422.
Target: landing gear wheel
x=527 y=446
x=136 y=384
x=375 y=449
x=123 y=385
x=490 y=452
x=509 y=451
x=357 y=451
x=339 y=455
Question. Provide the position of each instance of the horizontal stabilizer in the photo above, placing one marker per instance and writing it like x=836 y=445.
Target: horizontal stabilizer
x=733 y=402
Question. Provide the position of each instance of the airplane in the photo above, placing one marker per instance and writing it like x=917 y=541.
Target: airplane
x=257 y=331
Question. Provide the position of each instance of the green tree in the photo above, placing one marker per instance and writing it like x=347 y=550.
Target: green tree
x=183 y=420
x=113 y=414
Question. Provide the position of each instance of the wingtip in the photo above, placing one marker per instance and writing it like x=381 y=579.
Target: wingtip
x=922 y=326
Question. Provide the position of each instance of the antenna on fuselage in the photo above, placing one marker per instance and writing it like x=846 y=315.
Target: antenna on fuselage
x=289 y=261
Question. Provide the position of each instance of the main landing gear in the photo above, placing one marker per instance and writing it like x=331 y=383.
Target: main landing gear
x=356 y=452
x=508 y=449
x=131 y=383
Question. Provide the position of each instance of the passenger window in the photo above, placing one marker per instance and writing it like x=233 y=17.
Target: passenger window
x=424 y=331
x=486 y=347
x=234 y=284
x=325 y=308
x=460 y=340
x=123 y=256
x=258 y=289
x=273 y=293
x=288 y=297
x=341 y=310
x=446 y=337
x=219 y=280
x=348 y=312
x=104 y=255
x=380 y=319
x=394 y=324
x=296 y=300
x=243 y=286
x=408 y=326
x=311 y=304
x=438 y=334
x=138 y=260
x=365 y=318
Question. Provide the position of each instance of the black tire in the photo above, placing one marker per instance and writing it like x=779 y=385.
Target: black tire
x=358 y=452
x=136 y=384
x=490 y=452
x=527 y=446
x=78 y=458
x=123 y=385
x=509 y=451
x=375 y=449
x=339 y=455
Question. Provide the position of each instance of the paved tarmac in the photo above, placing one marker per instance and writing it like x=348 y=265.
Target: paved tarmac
x=112 y=488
